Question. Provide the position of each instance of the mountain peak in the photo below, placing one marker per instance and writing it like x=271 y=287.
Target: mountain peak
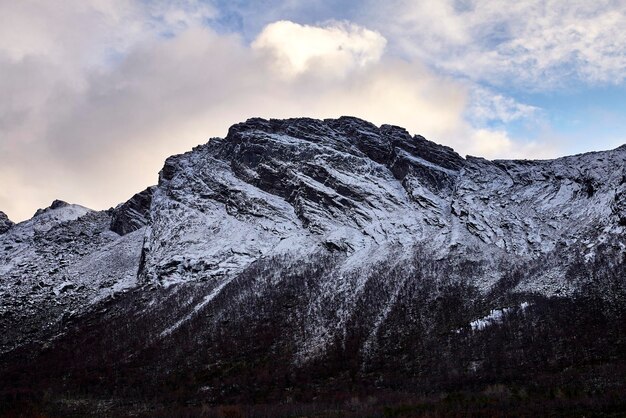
x=350 y=134
x=56 y=204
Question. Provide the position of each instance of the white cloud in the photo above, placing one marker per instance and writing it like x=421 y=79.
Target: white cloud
x=95 y=128
x=333 y=49
x=487 y=105
x=534 y=43
x=497 y=144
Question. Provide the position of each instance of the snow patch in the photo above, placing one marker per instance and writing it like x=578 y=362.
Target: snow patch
x=495 y=316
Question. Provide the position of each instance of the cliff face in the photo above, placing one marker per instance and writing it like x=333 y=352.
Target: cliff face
x=299 y=241
x=303 y=186
x=5 y=223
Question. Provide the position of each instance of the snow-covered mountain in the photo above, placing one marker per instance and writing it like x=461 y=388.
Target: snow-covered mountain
x=346 y=236
x=304 y=186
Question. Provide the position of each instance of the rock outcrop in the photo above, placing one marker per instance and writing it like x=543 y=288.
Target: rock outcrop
x=134 y=214
x=5 y=223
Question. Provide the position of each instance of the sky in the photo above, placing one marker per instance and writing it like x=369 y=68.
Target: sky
x=95 y=94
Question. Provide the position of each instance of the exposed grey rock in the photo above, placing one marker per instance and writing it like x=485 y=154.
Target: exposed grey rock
x=5 y=223
x=133 y=214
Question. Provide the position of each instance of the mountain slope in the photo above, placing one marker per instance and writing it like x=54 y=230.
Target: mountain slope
x=295 y=246
x=57 y=264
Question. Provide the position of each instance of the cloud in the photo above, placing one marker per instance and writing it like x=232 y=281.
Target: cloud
x=92 y=121
x=497 y=144
x=333 y=49
x=50 y=56
x=487 y=105
x=535 y=44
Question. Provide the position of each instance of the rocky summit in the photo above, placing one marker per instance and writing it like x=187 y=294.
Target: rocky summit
x=302 y=260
